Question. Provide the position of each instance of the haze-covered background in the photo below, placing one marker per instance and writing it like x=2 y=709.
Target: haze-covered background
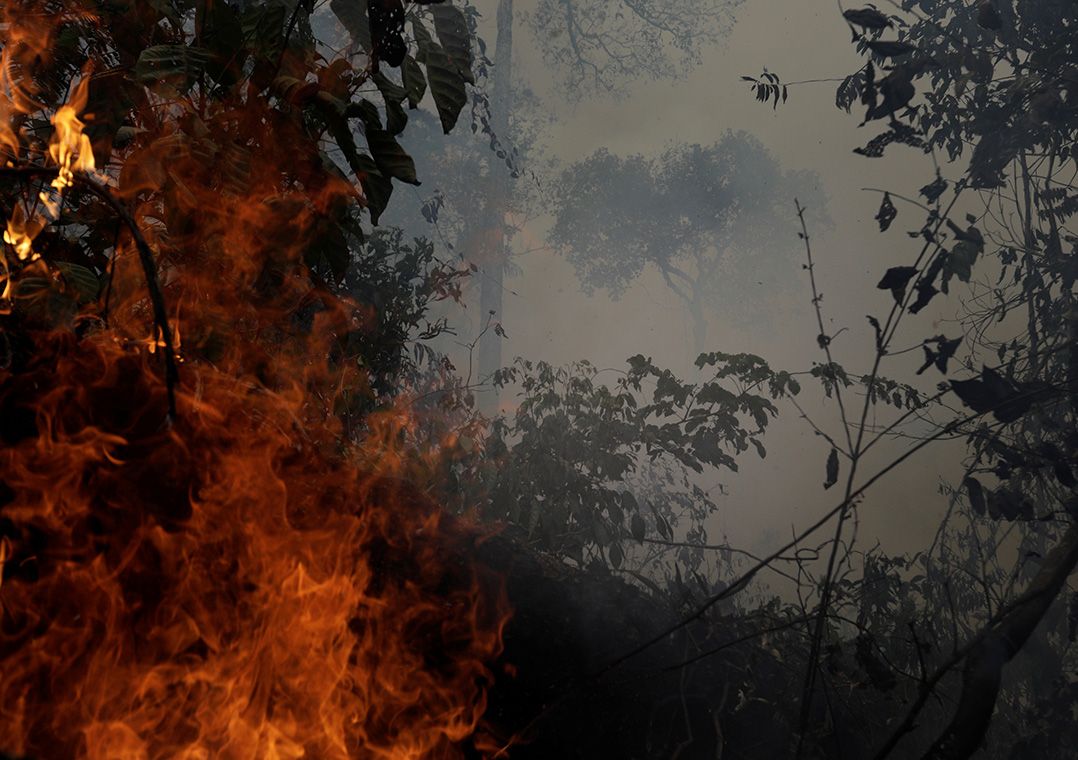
x=547 y=315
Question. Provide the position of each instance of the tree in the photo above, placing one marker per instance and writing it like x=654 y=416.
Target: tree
x=602 y=45
x=711 y=220
x=607 y=40
x=992 y=82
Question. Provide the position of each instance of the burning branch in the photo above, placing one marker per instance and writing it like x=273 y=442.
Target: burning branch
x=149 y=266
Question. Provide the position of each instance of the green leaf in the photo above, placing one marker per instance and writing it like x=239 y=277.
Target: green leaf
x=390 y=157
x=376 y=187
x=447 y=86
x=391 y=91
x=452 y=30
x=637 y=527
x=396 y=118
x=353 y=16
x=81 y=280
x=415 y=83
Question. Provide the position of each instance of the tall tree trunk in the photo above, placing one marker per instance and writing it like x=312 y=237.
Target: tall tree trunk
x=492 y=251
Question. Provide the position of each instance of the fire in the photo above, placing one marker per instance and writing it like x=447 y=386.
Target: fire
x=20 y=234
x=70 y=148
x=215 y=590
x=243 y=580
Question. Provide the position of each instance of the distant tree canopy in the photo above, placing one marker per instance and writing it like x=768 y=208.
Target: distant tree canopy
x=715 y=221
x=602 y=44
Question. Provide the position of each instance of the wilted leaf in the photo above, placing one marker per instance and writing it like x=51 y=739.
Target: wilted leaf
x=939 y=357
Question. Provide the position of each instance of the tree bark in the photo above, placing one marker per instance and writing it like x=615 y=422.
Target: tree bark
x=491 y=251
x=983 y=671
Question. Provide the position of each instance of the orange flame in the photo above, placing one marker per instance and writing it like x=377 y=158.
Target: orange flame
x=245 y=582
x=69 y=148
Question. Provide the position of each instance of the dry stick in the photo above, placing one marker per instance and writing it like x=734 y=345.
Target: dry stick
x=825 y=597
x=149 y=267
x=884 y=339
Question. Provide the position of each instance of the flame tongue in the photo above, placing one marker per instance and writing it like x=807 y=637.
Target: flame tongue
x=215 y=591
x=237 y=585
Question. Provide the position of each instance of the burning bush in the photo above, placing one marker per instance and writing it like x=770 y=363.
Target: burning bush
x=207 y=563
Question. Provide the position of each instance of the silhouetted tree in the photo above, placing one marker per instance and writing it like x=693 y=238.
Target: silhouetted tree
x=714 y=221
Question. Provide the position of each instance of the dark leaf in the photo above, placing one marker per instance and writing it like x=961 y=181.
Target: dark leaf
x=991 y=392
x=867 y=18
x=452 y=30
x=887 y=212
x=353 y=16
x=896 y=279
x=662 y=524
x=387 y=30
x=988 y=16
x=976 y=496
x=926 y=291
x=447 y=86
x=390 y=157
x=415 y=83
x=890 y=48
x=832 y=469
x=934 y=190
